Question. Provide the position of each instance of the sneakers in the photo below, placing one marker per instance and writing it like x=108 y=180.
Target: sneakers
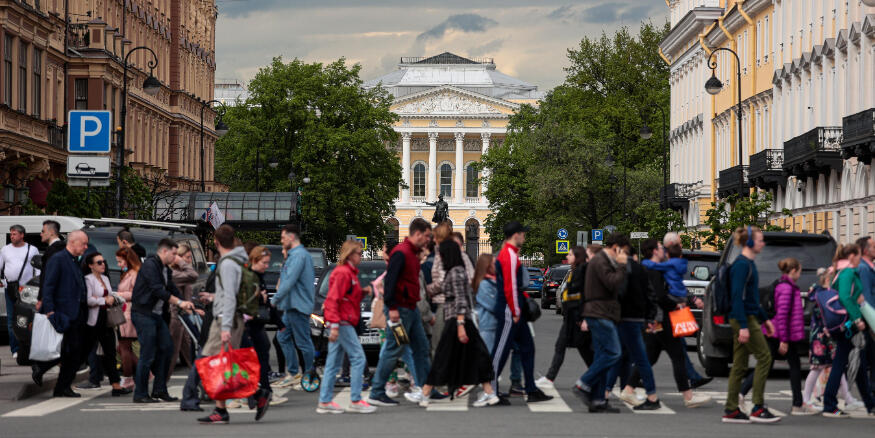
x=277 y=400
x=544 y=382
x=414 y=396
x=88 y=385
x=648 y=406
x=582 y=394
x=274 y=377
x=735 y=416
x=516 y=389
x=361 y=407
x=805 y=410
x=697 y=400
x=290 y=381
x=486 y=400
x=127 y=382
x=262 y=403
x=437 y=395
x=383 y=400
x=603 y=408
x=329 y=408
x=855 y=405
x=217 y=417
x=425 y=402
x=464 y=390
x=392 y=390
x=537 y=396
x=761 y=414
x=234 y=404
x=15 y=356
x=631 y=398
x=838 y=413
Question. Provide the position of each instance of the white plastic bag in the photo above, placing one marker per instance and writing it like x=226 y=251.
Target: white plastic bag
x=45 y=344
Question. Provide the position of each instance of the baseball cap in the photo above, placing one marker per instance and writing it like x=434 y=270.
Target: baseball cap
x=514 y=227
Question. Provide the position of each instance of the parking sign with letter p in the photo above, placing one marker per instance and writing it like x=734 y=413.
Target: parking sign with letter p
x=89 y=131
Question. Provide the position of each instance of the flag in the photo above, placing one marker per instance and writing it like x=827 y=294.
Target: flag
x=213 y=215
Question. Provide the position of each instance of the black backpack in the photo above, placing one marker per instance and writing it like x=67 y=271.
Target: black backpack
x=767 y=299
x=721 y=291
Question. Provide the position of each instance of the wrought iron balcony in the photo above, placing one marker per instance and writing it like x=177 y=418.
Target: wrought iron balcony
x=816 y=152
x=678 y=195
x=733 y=181
x=858 y=131
x=56 y=136
x=767 y=169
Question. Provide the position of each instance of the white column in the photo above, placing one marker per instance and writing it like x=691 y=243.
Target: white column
x=432 y=166
x=405 y=166
x=485 y=137
x=460 y=167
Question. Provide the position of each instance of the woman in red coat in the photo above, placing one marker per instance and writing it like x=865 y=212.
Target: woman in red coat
x=342 y=313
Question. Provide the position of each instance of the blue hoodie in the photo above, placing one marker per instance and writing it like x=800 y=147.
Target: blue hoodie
x=673 y=271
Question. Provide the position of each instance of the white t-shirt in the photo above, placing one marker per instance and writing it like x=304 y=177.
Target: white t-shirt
x=11 y=260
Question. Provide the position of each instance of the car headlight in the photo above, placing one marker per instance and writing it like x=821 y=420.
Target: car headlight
x=29 y=294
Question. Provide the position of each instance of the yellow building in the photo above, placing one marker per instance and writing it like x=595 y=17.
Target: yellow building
x=452 y=110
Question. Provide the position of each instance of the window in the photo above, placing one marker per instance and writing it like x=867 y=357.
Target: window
x=7 y=70
x=80 y=96
x=22 y=76
x=766 y=40
x=37 y=81
x=446 y=180
x=471 y=189
x=759 y=53
x=419 y=179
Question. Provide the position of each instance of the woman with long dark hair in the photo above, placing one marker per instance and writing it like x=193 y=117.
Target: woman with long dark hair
x=99 y=297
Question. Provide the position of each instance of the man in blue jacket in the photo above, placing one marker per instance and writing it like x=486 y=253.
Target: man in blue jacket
x=64 y=303
x=294 y=296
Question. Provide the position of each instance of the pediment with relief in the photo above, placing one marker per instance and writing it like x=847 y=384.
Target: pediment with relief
x=445 y=103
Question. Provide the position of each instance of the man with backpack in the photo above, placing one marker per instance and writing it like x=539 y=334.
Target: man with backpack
x=745 y=315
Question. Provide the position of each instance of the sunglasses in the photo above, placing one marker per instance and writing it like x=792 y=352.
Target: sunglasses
x=99 y=262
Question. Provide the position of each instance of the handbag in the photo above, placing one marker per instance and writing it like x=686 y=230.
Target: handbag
x=683 y=323
x=229 y=374
x=378 y=318
x=115 y=316
x=45 y=344
x=533 y=310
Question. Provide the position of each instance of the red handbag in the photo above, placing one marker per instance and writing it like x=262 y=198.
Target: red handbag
x=683 y=323
x=230 y=374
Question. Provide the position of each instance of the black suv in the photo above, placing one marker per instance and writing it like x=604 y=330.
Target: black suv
x=552 y=279
x=714 y=340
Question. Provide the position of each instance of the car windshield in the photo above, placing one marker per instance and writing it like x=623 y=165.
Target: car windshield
x=106 y=244
x=318 y=259
x=276 y=258
x=368 y=272
x=557 y=274
x=811 y=253
x=535 y=272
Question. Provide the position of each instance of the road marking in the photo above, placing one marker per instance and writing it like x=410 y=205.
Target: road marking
x=457 y=405
x=55 y=404
x=555 y=405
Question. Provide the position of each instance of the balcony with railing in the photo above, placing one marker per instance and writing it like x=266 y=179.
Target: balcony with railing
x=733 y=181
x=767 y=169
x=678 y=195
x=858 y=131
x=816 y=152
x=56 y=136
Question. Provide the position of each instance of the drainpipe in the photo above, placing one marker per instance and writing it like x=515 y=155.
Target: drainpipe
x=664 y=58
x=753 y=77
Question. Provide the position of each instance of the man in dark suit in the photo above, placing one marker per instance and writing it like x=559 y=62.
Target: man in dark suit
x=51 y=235
x=64 y=303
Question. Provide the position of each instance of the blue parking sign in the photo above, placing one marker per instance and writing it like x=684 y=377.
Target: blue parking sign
x=89 y=131
x=598 y=235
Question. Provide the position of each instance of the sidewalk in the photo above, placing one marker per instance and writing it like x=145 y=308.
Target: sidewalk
x=16 y=382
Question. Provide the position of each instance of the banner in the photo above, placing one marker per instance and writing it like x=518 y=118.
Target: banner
x=214 y=215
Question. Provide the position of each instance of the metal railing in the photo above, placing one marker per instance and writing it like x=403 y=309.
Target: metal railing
x=733 y=181
x=766 y=160
x=56 y=136
x=807 y=145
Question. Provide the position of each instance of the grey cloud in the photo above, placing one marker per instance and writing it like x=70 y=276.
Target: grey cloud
x=561 y=12
x=463 y=22
x=636 y=13
x=486 y=49
x=614 y=12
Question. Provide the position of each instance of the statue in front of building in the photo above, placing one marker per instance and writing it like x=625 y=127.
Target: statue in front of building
x=441 y=209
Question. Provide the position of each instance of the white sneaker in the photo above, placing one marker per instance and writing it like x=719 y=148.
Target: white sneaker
x=632 y=398
x=855 y=405
x=361 y=407
x=544 y=382
x=805 y=410
x=15 y=356
x=414 y=396
x=486 y=400
x=392 y=390
x=329 y=408
x=464 y=390
x=425 y=402
x=290 y=381
x=697 y=400
x=277 y=400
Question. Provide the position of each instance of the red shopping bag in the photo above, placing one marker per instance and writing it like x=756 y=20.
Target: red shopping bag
x=683 y=323
x=230 y=374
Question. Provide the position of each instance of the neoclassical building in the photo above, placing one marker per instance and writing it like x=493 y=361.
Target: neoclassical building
x=452 y=110
x=808 y=109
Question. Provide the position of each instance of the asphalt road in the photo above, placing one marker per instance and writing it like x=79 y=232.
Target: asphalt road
x=99 y=415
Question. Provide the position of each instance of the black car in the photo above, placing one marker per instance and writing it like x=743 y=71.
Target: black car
x=272 y=275
x=552 y=279
x=370 y=339
x=714 y=340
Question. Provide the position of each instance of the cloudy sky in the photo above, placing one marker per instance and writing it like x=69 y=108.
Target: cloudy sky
x=527 y=39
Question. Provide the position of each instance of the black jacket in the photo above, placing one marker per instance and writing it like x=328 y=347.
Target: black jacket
x=53 y=249
x=638 y=300
x=660 y=293
x=152 y=286
x=64 y=291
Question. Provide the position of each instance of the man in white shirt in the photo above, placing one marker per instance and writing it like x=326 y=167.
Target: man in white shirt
x=15 y=269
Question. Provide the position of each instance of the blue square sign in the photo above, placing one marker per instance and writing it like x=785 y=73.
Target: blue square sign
x=598 y=235
x=89 y=131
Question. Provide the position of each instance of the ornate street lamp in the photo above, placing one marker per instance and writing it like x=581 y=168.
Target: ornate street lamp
x=713 y=86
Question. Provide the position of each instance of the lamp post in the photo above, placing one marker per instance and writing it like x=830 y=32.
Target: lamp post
x=646 y=133
x=713 y=86
x=221 y=130
x=151 y=86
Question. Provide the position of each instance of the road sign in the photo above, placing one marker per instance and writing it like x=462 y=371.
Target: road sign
x=562 y=234
x=582 y=238
x=363 y=241
x=88 y=182
x=84 y=166
x=639 y=235
x=562 y=246
x=89 y=131
x=598 y=235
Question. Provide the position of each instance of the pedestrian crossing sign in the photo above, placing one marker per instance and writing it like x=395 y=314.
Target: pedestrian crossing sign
x=363 y=241
x=562 y=246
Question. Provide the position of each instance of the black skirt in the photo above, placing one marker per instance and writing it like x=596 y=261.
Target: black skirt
x=456 y=364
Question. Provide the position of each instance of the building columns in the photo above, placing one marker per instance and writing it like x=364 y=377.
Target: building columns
x=485 y=137
x=405 y=166
x=432 y=166
x=460 y=167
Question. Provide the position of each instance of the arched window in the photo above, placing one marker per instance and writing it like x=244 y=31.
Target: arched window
x=446 y=180
x=471 y=189
x=419 y=179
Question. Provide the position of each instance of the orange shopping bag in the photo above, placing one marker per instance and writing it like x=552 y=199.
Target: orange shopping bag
x=230 y=374
x=682 y=322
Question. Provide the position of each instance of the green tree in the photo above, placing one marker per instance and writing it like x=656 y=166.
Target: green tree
x=726 y=215
x=316 y=121
x=141 y=194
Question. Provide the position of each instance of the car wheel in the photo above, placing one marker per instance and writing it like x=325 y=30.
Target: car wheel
x=714 y=366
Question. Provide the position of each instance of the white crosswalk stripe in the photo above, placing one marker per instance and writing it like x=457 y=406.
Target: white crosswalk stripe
x=555 y=405
x=55 y=404
x=446 y=405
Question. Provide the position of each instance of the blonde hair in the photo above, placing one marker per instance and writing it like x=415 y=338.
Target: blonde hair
x=258 y=253
x=347 y=249
x=183 y=249
x=442 y=232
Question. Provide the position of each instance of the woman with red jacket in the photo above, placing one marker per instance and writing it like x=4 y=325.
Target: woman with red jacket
x=342 y=313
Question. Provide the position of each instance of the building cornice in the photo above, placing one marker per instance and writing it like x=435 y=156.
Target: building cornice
x=687 y=29
x=734 y=20
x=443 y=88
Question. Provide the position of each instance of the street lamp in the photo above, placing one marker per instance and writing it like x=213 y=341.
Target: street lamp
x=713 y=86
x=221 y=130
x=646 y=133
x=150 y=86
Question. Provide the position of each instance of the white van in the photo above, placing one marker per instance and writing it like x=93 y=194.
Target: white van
x=33 y=225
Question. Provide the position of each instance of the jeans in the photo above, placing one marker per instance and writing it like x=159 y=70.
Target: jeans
x=757 y=346
x=516 y=365
x=155 y=350
x=633 y=354
x=606 y=349
x=412 y=322
x=676 y=349
x=839 y=364
x=347 y=342
x=296 y=334
x=569 y=336
x=10 y=320
x=407 y=358
x=792 y=359
x=514 y=335
x=488 y=325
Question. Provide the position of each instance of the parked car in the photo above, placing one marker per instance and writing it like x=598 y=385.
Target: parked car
x=702 y=266
x=536 y=281
x=714 y=340
x=552 y=279
x=272 y=275
x=370 y=339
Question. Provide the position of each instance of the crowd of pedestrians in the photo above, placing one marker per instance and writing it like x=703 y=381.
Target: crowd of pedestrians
x=451 y=324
